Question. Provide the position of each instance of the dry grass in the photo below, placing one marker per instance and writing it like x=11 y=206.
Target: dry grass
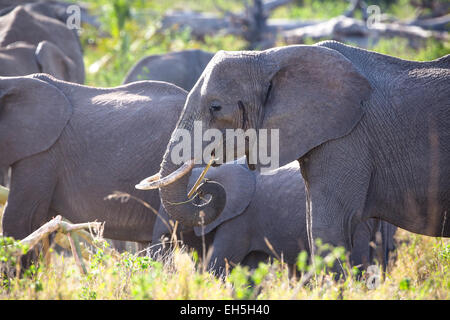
x=419 y=271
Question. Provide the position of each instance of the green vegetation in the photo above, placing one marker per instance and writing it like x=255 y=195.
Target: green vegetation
x=129 y=32
x=420 y=270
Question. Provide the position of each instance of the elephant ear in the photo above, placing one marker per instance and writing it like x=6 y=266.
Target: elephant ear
x=53 y=61
x=33 y=113
x=239 y=183
x=316 y=95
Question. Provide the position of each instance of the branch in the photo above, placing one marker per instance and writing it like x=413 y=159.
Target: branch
x=56 y=225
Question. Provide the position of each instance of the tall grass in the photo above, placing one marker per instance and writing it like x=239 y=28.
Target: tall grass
x=420 y=270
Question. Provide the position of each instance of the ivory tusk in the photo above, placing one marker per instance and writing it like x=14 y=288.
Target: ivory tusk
x=154 y=177
x=154 y=183
x=200 y=178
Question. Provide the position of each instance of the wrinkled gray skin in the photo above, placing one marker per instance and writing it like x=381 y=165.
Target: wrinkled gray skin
x=32 y=43
x=181 y=68
x=371 y=132
x=25 y=25
x=70 y=146
x=266 y=206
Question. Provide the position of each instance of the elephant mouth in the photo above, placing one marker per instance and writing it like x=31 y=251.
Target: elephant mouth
x=156 y=181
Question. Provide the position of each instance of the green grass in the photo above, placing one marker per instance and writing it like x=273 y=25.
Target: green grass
x=420 y=271
x=311 y=10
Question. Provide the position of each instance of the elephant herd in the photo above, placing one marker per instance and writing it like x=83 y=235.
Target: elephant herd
x=364 y=142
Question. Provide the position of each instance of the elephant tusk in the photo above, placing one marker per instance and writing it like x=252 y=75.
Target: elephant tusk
x=154 y=177
x=200 y=178
x=155 y=181
x=4 y=192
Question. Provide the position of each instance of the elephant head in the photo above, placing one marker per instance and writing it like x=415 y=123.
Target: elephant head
x=33 y=114
x=53 y=61
x=43 y=32
x=311 y=94
x=20 y=59
x=239 y=184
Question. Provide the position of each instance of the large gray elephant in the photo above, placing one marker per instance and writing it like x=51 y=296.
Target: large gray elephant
x=69 y=146
x=25 y=25
x=371 y=133
x=31 y=42
x=182 y=68
x=21 y=58
x=260 y=208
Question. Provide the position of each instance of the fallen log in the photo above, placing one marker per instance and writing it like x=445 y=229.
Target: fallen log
x=438 y=24
x=67 y=236
x=200 y=24
x=342 y=28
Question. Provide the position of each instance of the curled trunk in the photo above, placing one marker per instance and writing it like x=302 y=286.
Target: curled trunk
x=186 y=211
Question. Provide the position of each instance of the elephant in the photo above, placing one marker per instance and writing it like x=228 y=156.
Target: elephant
x=21 y=58
x=11 y=3
x=181 y=68
x=264 y=206
x=62 y=11
x=370 y=131
x=25 y=25
x=69 y=146
x=32 y=43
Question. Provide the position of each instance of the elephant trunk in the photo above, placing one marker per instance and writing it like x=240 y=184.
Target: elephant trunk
x=173 y=182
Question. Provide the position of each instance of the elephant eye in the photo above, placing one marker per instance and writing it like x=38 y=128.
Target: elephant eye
x=215 y=107
x=269 y=89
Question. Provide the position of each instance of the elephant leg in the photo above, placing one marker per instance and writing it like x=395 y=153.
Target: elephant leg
x=336 y=192
x=141 y=247
x=4 y=177
x=230 y=246
x=161 y=231
x=388 y=242
x=254 y=258
x=366 y=244
x=32 y=183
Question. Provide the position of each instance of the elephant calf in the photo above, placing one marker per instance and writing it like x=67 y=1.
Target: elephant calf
x=266 y=207
x=181 y=68
x=69 y=146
